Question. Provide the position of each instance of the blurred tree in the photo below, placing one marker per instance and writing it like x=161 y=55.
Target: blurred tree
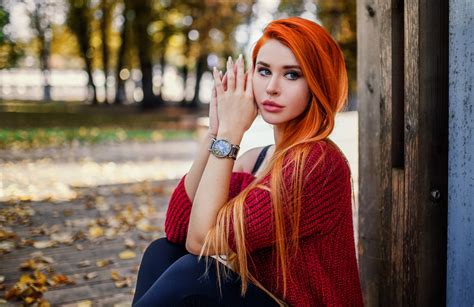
x=106 y=10
x=79 y=21
x=4 y=20
x=127 y=16
x=291 y=8
x=213 y=23
x=10 y=51
x=41 y=17
x=339 y=18
x=144 y=15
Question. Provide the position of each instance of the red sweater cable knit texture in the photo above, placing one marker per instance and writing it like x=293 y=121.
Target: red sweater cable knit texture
x=324 y=271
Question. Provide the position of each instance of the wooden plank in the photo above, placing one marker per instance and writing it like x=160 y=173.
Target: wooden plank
x=371 y=256
x=403 y=151
x=433 y=153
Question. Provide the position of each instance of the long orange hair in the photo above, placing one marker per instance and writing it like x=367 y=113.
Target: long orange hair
x=323 y=66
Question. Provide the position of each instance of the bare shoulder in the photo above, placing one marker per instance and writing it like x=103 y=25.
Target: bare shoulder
x=246 y=161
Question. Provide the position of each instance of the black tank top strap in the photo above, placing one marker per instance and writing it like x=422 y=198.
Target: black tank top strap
x=260 y=159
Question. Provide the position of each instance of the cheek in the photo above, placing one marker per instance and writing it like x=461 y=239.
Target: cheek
x=257 y=86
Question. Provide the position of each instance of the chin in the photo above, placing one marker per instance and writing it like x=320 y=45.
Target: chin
x=272 y=119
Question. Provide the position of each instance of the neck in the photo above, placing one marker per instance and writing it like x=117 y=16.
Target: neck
x=277 y=134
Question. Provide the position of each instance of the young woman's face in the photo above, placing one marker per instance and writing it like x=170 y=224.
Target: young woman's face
x=278 y=78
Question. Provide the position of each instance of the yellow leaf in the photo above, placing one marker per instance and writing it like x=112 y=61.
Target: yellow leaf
x=43 y=303
x=116 y=276
x=43 y=244
x=85 y=303
x=127 y=254
x=95 y=232
x=103 y=262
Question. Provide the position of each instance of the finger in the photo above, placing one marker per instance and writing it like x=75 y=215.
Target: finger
x=230 y=75
x=218 y=82
x=214 y=94
x=224 y=81
x=248 y=86
x=240 y=74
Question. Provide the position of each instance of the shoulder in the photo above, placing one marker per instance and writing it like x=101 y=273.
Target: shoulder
x=328 y=158
x=246 y=161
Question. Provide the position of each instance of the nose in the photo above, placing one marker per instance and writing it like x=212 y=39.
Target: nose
x=272 y=86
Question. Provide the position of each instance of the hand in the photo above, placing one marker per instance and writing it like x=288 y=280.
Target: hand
x=213 y=118
x=236 y=108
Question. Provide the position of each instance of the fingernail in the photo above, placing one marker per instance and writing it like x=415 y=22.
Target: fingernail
x=240 y=58
x=230 y=59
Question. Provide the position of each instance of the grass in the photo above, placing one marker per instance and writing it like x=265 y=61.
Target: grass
x=26 y=124
x=45 y=137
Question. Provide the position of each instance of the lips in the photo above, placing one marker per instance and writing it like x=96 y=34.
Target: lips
x=271 y=103
x=271 y=106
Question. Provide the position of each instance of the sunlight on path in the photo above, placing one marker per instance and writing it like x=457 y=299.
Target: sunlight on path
x=48 y=179
x=51 y=174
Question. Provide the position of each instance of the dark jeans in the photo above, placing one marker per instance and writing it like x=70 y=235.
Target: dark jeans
x=170 y=276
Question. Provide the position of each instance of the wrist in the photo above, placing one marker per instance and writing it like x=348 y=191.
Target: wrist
x=210 y=134
x=235 y=137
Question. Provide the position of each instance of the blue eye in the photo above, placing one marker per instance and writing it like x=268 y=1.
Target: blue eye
x=294 y=73
x=262 y=69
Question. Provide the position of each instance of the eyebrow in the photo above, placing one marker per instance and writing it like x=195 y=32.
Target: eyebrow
x=285 y=67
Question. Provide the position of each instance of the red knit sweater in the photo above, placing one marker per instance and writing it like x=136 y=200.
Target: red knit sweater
x=324 y=272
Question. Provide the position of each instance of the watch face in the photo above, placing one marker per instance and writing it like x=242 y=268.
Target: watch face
x=221 y=148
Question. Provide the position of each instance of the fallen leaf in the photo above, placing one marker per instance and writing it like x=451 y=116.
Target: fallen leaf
x=62 y=279
x=43 y=303
x=6 y=247
x=116 y=276
x=43 y=244
x=103 y=262
x=127 y=254
x=90 y=275
x=129 y=243
x=124 y=283
x=96 y=232
x=85 y=303
x=84 y=264
x=64 y=237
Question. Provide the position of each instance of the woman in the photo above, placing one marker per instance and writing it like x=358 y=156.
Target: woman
x=280 y=217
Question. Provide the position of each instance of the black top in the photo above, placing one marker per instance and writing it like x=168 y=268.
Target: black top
x=260 y=159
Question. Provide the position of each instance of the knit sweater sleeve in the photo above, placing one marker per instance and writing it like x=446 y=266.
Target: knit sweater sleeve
x=325 y=190
x=179 y=209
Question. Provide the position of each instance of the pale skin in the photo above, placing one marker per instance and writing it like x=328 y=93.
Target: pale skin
x=242 y=93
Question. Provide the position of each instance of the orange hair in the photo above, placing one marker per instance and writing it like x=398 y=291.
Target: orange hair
x=323 y=66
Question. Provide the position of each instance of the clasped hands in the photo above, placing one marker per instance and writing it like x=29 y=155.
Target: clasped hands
x=232 y=107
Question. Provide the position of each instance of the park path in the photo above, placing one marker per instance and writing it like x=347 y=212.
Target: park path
x=84 y=215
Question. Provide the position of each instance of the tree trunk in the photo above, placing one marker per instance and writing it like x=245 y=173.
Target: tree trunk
x=44 y=35
x=104 y=24
x=144 y=44
x=120 y=95
x=44 y=64
x=185 y=70
x=200 y=68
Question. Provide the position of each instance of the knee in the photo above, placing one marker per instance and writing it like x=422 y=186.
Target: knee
x=163 y=246
x=158 y=244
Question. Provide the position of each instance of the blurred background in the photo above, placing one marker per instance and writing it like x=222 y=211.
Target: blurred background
x=102 y=105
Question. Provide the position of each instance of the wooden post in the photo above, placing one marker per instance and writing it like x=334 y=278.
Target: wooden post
x=403 y=147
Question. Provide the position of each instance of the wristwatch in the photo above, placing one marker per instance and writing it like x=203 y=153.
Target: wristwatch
x=222 y=148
